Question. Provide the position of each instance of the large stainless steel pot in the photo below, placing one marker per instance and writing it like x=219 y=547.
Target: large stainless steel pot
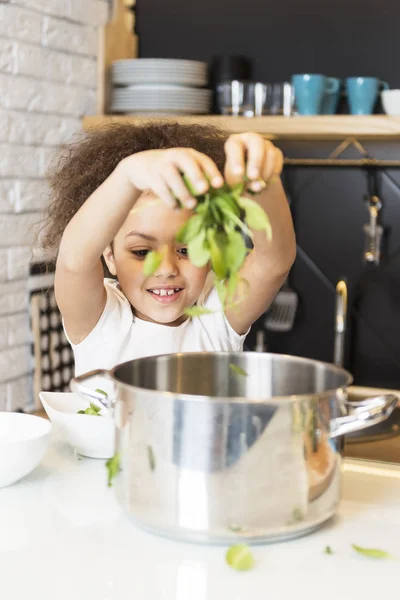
x=210 y=455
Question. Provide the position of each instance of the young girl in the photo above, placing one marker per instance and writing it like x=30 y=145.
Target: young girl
x=114 y=198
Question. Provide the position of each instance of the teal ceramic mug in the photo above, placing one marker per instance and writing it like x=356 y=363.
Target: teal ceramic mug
x=330 y=100
x=362 y=93
x=310 y=90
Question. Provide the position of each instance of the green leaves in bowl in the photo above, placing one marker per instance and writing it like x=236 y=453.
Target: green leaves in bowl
x=91 y=410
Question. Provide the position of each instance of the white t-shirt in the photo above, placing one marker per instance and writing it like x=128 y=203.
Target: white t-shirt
x=120 y=336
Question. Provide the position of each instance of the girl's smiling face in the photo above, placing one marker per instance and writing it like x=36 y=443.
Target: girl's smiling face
x=176 y=284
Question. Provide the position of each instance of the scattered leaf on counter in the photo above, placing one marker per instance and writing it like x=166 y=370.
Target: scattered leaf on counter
x=297 y=515
x=91 y=410
x=151 y=263
x=328 y=550
x=371 y=552
x=236 y=528
x=238 y=370
x=113 y=468
x=152 y=459
x=197 y=311
x=99 y=391
x=240 y=558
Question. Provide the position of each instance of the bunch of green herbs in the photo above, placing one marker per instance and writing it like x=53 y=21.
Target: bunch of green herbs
x=215 y=234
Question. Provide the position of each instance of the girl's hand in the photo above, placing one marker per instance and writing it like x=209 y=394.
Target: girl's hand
x=161 y=172
x=248 y=154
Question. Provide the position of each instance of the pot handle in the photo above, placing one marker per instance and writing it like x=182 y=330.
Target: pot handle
x=77 y=386
x=364 y=414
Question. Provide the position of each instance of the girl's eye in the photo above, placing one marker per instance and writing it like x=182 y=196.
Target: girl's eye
x=140 y=253
x=183 y=252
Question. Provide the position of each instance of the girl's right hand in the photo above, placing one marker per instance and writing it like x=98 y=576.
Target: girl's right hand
x=161 y=172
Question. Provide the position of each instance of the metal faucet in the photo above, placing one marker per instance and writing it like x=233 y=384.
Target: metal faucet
x=340 y=323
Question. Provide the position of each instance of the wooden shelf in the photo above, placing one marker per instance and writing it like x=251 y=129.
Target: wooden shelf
x=320 y=127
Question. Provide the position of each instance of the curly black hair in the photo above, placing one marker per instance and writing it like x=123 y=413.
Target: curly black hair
x=82 y=166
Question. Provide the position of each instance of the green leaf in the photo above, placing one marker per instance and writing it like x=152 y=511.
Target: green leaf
x=228 y=203
x=91 y=410
x=238 y=370
x=190 y=229
x=371 y=552
x=328 y=550
x=256 y=217
x=236 y=528
x=197 y=311
x=113 y=466
x=235 y=251
x=297 y=515
x=240 y=558
x=152 y=458
x=199 y=253
x=217 y=258
x=151 y=263
x=222 y=291
x=99 y=391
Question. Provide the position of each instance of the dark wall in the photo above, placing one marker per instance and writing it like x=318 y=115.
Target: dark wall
x=341 y=38
x=329 y=211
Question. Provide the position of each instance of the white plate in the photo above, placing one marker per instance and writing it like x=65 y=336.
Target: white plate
x=160 y=62
x=173 y=79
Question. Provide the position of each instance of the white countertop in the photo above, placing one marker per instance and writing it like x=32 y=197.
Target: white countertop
x=64 y=537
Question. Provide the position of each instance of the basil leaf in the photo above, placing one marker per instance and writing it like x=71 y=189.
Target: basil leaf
x=113 y=466
x=238 y=370
x=91 y=410
x=222 y=291
x=217 y=258
x=151 y=457
x=235 y=251
x=197 y=311
x=151 y=263
x=190 y=229
x=199 y=253
x=239 y=557
x=371 y=552
x=297 y=515
x=256 y=216
x=228 y=203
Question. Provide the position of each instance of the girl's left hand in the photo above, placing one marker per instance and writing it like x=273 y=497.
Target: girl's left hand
x=248 y=154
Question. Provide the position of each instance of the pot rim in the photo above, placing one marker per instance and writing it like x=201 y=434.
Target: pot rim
x=234 y=399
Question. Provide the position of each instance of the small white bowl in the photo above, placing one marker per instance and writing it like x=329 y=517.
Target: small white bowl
x=88 y=435
x=391 y=102
x=23 y=443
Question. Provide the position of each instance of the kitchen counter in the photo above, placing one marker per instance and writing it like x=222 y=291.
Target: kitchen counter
x=63 y=536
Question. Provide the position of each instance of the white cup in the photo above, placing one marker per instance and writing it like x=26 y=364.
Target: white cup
x=391 y=102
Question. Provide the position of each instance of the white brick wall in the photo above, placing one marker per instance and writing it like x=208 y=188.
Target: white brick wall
x=48 y=70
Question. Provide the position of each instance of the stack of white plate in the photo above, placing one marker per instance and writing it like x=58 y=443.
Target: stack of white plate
x=161 y=86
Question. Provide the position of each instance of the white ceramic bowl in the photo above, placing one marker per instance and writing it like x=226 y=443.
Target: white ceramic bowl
x=88 y=435
x=391 y=102
x=23 y=442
